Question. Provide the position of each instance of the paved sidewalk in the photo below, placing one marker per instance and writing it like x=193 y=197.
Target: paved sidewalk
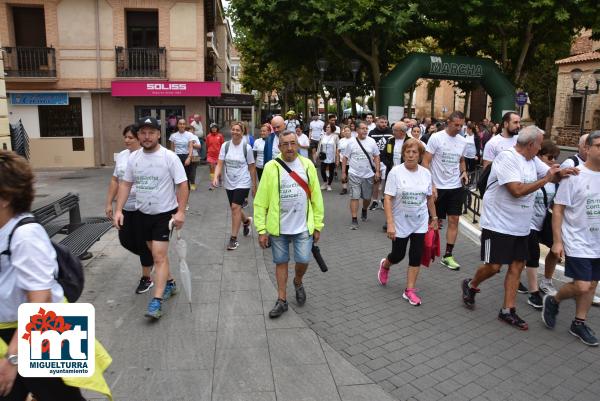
x=226 y=349
x=439 y=350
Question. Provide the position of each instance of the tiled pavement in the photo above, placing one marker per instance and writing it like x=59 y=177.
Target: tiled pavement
x=439 y=350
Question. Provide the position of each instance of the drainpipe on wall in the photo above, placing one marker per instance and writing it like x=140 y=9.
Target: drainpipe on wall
x=99 y=85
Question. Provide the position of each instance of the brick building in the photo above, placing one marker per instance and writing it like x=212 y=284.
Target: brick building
x=79 y=71
x=4 y=132
x=568 y=108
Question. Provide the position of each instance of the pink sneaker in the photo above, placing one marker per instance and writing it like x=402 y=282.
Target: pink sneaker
x=382 y=275
x=410 y=294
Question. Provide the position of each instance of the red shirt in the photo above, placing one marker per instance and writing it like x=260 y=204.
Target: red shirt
x=213 y=144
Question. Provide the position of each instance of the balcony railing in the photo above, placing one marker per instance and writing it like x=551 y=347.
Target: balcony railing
x=141 y=62
x=29 y=62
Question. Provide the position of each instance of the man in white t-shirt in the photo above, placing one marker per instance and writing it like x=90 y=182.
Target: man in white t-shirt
x=511 y=124
x=364 y=171
x=580 y=157
x=444 y=157
x=315 y=132
x=288 y=209
x=508 y=207
x=161 y=196
x=303 y=142
x=576 y=232
x=199 y=131
x=370 y=120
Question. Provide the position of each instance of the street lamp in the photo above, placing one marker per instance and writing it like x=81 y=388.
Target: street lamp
x=576 y=76
x=322 y=65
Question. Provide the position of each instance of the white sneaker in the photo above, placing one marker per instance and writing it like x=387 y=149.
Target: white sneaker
x=596 y=300
x=547 y=287
x=323 y=186
x=329 y=187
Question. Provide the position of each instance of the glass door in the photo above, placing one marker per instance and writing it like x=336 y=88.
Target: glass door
x=167 y=117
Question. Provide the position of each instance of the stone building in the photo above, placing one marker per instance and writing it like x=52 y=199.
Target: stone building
x=4 y=131
x=569 y=106
x=79 y=71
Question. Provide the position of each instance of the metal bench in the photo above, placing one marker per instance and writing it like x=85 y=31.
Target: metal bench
x=80 y=233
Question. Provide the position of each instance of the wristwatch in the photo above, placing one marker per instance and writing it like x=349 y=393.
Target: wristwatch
x=13 y=359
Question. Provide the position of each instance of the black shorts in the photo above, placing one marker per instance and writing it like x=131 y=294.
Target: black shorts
x=415 y=252
x=533 y=249
x=582 y=269
x=502 y=249
x=237 y=196
x=155 y=227
x=450 y=202
x=314 y=144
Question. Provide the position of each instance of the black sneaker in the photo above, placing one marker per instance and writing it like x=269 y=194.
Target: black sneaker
x=549 y=311
x=344 y=191
x=363 y=215
x=354 y=225
x=535 y=300
x=374 y=205
x=522 y=289
x=247 y=225
x=300 y=294
x=233 y=244
x=385 y=228
x=584 y=333
x=145 y=284
x=468 y=294
x=513 y=319
x=280 y=307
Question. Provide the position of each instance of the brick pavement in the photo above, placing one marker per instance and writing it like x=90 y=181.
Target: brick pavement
x=439 y=350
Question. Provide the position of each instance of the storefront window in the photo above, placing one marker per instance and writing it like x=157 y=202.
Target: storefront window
x=61 y=121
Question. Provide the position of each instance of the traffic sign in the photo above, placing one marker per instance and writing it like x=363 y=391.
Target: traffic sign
x=521 y=98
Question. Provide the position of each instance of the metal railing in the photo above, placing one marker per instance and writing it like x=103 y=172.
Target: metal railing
x=473 y=199
x=141 y=62
x=19 y=140
x=30 y=62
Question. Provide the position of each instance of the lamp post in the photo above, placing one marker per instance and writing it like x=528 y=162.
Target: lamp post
x=322 y=65
x=576 y=76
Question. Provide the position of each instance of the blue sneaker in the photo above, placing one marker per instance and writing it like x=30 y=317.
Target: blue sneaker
x=170 y=289
x=154 y=308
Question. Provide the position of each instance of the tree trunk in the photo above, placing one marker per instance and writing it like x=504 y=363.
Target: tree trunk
x=524 y=50
x=433 y=103
x=410 y=101
x=467 y=100
x=353 y=101
x=372 y=59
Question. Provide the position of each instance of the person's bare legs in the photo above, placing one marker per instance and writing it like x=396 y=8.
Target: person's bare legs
x=452 y=231
x=354 y=208
x=532 y=279
x=511 y=283
x=582 y=291
x=281 y=275
x=300 y=270
x=236 y=219
x=160 y=251
x=550 y=265
x=411 y=276
x=484 y=272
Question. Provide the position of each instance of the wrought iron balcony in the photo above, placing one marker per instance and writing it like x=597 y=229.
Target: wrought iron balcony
x=141 y=62
x=29 y=62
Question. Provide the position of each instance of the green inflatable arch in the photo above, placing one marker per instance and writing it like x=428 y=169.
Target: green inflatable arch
x=456 y=68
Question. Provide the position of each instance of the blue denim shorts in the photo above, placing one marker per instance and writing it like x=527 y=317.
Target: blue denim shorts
x=302 y=247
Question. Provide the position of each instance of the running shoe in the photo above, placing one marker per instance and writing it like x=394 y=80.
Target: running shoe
x=383 y=273
x=522 y=289
x=329 y=187
x=513 y=319
x=584 y=333
x=468 y=293
x=450 y=262
x=324 y=185
x=354 y=225
x=187 y=207
x=549 y=311
x=410 y=294
x=211 y=188
x=247 y=225
x=300 y=294
x=547 y=287
x=145 y=284
x=535 y=300
x=363 y=215
x=154 y=308
x=374 y=205
x=596 y=300
x=344 y=191
x=280 y=307
x=233 y=244
x=170 y=289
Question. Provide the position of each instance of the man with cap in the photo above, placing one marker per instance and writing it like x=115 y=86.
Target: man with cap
x=161 y=197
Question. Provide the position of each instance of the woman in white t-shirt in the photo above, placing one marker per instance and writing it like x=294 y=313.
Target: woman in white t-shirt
x=472 y=152
x=328 y=154
x=342 y=145
x=129 y=237
x=196 y=150
x=28 y=268
x=408 y=198
x=236 y=165
x=259 y=149
x=182 y=143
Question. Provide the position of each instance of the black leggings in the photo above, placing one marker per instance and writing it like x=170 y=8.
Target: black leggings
x=43 y=388
x=132 y=239
x=471 y=164
x=188 y=169
x=259 y=173
x=414 y=253
x=324 y=167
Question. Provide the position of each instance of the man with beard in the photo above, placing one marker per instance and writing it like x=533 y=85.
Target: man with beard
x=381 y=133
x=511 y=124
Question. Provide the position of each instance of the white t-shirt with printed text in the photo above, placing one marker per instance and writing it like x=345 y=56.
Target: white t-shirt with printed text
x=155 y=175
x=581 y=221
x=293 y=200
x=502 y=212
x=445 y=162
x=497 y=144
x=358 y=162
x=259 y=148
x=328 y=146
x=235 y=166
x=410 y=190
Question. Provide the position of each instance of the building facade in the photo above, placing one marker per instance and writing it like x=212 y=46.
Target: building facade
x=79 y=71
x=4 y=131
x=572 y=111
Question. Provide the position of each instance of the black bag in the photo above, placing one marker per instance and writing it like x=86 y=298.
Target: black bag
x=322 y=155
x=546 y=233
x=366 y=154
x=482 y=181
x=70 y=270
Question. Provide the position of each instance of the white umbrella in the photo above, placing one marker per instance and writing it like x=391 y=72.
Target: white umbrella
x=184 y=271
